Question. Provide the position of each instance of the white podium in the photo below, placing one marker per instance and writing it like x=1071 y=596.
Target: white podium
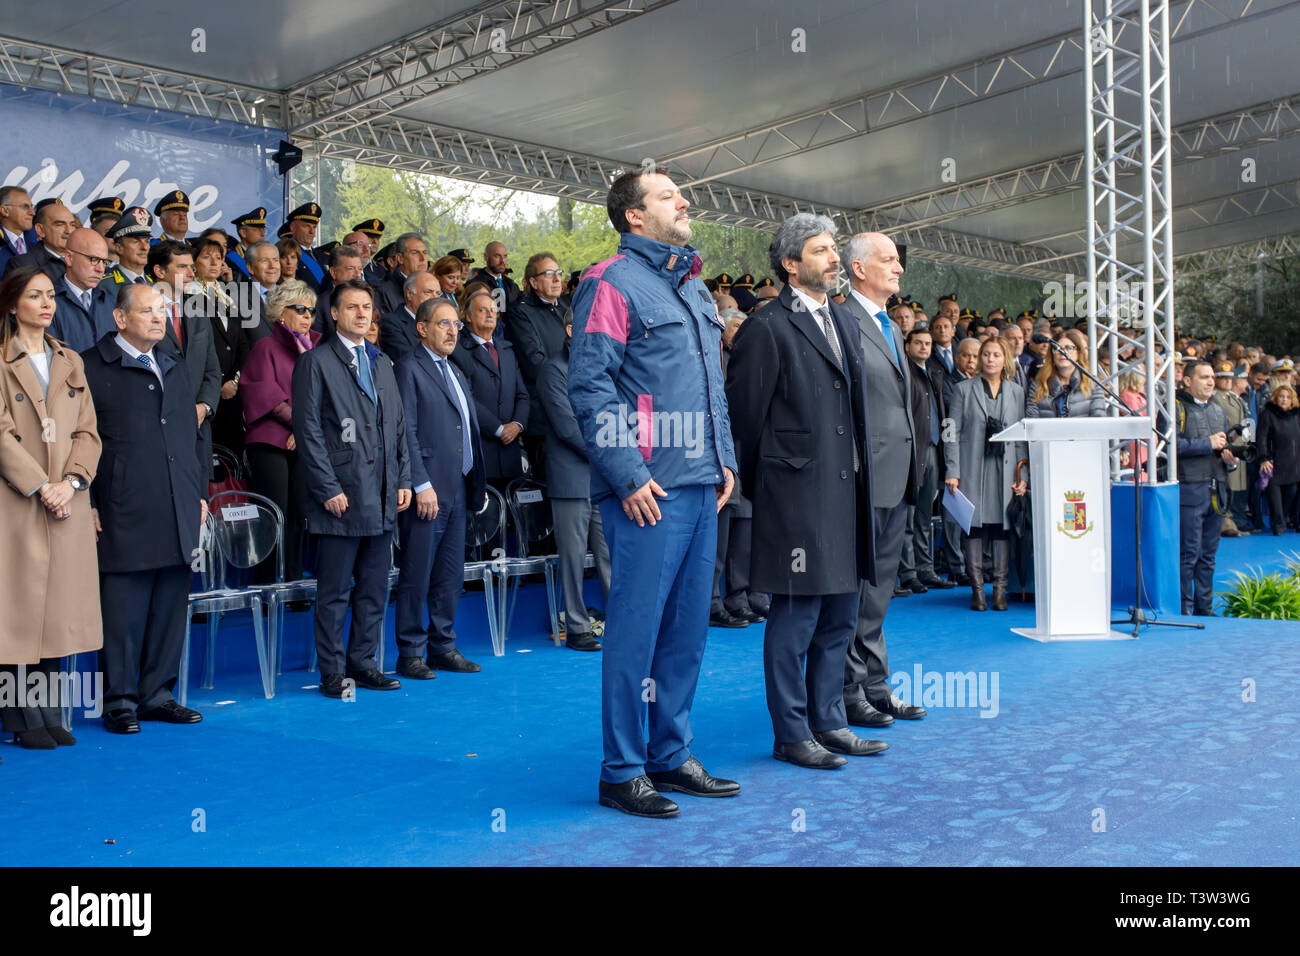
x=1069 y=471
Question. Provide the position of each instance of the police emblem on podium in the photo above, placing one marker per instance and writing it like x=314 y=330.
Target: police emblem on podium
x=1074 y=523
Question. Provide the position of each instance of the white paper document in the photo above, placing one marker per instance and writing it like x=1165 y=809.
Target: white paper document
x=960 y=507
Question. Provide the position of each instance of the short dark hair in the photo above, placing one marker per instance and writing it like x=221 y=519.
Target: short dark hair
x=425 y=312
x=917 y=330
x=198 y=245
x=356 y=285
x=1259 y=367
x=162 y=252
x=628 y=192
x=7 y=191
x=531 y=271
x=1193 y=365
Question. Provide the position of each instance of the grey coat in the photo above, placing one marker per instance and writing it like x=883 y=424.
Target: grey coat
x=963 y=448
x=1077 y=404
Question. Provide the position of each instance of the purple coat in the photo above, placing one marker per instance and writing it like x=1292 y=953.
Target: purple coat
x=265 y=382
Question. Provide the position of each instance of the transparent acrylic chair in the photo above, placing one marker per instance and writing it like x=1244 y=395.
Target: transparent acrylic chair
x=485 y=536
x=531 y=510
x=243 y=529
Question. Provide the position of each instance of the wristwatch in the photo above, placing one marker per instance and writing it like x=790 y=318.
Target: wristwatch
x=78 y=483
x=208 y=413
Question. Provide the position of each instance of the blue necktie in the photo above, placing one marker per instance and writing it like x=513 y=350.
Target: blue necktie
x=363 y=371
x=144 y=360
x=466 y=446
x=887 y=331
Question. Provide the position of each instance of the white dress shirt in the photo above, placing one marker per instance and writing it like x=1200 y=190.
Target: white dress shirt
x=134 y=353
x=460 y=399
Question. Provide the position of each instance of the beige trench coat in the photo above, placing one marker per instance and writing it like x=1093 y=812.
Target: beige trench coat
x=49 y=572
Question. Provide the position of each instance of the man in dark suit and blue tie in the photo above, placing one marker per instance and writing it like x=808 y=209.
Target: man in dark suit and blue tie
x=874 y=270
x=148 y=499
x=799 y=415
x=350 y=431
x=448 y=480
x=397 y=334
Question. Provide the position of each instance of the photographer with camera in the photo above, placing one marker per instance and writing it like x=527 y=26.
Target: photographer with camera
x=1279 y=451
x=1203 y=462
x=985 y=470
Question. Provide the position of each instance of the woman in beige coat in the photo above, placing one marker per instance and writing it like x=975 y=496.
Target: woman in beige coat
x=49 y=588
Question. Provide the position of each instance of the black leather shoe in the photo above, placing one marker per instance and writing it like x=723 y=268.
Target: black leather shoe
x=374 y=679
x=962 y=581
x=894 y=707
x=637 y=797
x=61 y=736
x=171 y=713
x=916 y=586
x=752 y=616
x=902 y=591
x=453 y=660
x=121 y=721
x=692 y=779
x=808 y=753
x=845 y=741
x=415 y=668
x=38 y=738
x=1205 y=613
x=724 y=618
x=936 y=583
x=760 y=605
x=331 y=685
x=862 y=714
x=580 y=641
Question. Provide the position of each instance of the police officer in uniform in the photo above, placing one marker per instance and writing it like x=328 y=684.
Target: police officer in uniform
x=251 y=228
x=302 y=224
x=173 y=214
x=104 y=213
x=1203 y=463
x=130 y=239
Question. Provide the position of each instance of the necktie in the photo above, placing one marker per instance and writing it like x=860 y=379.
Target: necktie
x=946 y=355
x=888 y=331
x=492 y=351
x=21 y=244
x=825 y=315
x=363 y=373
x=466 y=446
x=85 y=301
x=144 y=360
x=176 y=323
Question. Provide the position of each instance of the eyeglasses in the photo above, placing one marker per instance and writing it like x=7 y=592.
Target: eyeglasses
x=549 y=273
x=300 y=309
x=448 y=324
x=1070 y=348
x=93 y=260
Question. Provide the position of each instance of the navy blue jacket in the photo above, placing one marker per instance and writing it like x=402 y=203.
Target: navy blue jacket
x=433 y=429
x=647 y=351
x=149 y=482
x=397 y=336
x=75 y=327
x=43 y=259
x=568 y=472
x=7 y=251
x=347 y=444
x=500 y=396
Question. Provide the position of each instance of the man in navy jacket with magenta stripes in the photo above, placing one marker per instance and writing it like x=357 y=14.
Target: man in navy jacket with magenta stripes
x=646 y=385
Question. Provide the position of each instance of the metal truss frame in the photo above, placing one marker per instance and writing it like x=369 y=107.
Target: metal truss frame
x=1127 y=82
x=1234 y=257
x=484 y=39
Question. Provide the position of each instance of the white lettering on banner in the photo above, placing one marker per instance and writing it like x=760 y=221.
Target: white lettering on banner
x=44 y=183
x=533 y=496
x=239 y=512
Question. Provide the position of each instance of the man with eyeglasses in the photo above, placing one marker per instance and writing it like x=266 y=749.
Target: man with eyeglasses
x=83 y=312
x=535 y=327
x=449 y=479
x=16 y=233
x=54 y=225
x=130 y=238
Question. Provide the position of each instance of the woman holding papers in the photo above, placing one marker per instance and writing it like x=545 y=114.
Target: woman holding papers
x=982 y=469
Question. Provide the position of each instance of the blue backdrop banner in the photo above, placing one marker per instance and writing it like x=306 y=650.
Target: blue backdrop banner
x=78 y=149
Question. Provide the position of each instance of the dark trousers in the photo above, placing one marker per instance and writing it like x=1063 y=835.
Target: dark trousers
x=917 y=560
x=816 y=630
x=431 y=559
x=1199 y=530
x=18 y=719
x=731 y=565
x=274 y=472
x=866 y=666
x=1253 y=495
x=656 y=624
x=350 y=572
x=144 y=633
x=1281 y=502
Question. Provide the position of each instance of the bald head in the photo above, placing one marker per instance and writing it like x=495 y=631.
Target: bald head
x=873 y=266
x=494 y=257
x=724 y=301
x=87 y=258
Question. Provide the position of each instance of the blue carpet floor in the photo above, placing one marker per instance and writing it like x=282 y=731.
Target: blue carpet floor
x=1138 y=752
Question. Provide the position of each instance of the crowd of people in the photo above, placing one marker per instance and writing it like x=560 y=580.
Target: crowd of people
x=375 y=392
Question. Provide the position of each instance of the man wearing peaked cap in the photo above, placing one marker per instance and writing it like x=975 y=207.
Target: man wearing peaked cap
x=723 y=282
x=767 y=282
x=302 y=223
x=173 y=212
x=130 y=239
x=251 y=229
x=374 y=228
x=380 y=264
x=746 y=281
x=283 y=232
x=105 y=212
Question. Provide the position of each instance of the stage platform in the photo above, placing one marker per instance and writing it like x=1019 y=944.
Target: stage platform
x=1126 y=753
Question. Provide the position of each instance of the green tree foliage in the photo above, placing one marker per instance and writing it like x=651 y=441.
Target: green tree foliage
x=1256 y=305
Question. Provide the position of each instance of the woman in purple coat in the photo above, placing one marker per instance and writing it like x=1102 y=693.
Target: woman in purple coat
x=266 y=389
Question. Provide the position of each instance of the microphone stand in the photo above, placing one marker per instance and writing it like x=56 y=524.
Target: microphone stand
x=1137 y=617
